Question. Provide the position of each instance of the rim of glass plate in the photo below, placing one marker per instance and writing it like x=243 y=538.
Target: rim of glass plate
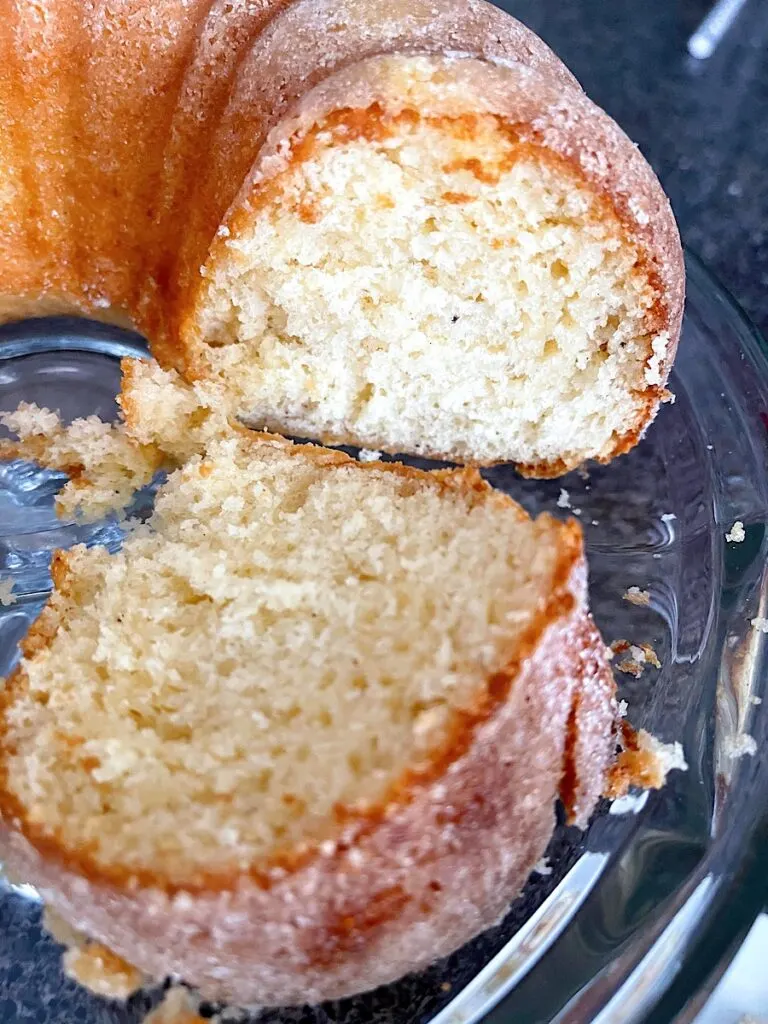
x=72 y=334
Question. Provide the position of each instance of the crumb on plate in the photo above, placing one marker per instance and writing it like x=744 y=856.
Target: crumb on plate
x=101 y=971
x=736 y=534
x=637 y=596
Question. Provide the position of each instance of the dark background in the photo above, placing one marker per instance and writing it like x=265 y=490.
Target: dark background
x=703 y=125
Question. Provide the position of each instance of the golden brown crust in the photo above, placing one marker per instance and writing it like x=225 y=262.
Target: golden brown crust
x=481 y=809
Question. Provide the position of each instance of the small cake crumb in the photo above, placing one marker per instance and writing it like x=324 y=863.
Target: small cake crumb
x=7 y=596
x=736 y=534
x=760 y=623
x=179 y=1006
x=368 y=455
x=742 y=745
x=446 y=986
x=650 y=655
x=644 y=762
x=637 y=596
x=623 y=709
x=101 y=971
x=564 y=500
x=640 y=655
x=756 y=700
x=542 y=867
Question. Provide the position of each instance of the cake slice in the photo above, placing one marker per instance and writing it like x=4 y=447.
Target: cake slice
x=446 y=257
x=306 y=731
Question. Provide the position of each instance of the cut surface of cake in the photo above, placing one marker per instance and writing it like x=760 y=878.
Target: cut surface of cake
x=301 y=701
x=441 y=270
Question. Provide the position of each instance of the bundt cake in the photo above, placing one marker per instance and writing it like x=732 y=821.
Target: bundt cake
x=392 y=223
x=305 y=732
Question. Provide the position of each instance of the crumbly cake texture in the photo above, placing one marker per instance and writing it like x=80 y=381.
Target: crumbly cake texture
x=104 y=464
x=511 y=292
x=164 y=421
x=265 y=772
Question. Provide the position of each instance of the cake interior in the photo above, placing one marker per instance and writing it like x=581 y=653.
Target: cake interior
x=284 y=638
x=433 y=285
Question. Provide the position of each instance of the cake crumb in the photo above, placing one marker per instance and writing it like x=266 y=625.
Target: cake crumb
x=7 y=596
x=742 y=745
x=634 y=664
x=644 y=761
x=446 y=986
x=179 y=1006
x=640 y=655
x=736 y=534
x=760 y=623
x=642 y=652
x=369 y=455
x=101 y=971
x=756 y=700
x=637 y=596
x=542 y=867
x=564 y=500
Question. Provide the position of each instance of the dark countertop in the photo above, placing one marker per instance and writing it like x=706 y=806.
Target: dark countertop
x=702 y=124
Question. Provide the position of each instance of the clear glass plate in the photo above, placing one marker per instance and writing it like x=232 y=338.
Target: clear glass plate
x=633 y=919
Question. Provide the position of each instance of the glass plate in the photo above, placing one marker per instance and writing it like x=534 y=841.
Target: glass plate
x=624 y=923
